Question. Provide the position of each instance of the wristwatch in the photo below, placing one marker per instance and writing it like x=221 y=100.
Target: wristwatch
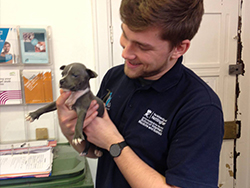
x=116 y=149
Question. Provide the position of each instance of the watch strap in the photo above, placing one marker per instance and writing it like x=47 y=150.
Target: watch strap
x=122 y=144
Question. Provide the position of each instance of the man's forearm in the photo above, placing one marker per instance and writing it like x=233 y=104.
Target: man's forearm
x=138 y=173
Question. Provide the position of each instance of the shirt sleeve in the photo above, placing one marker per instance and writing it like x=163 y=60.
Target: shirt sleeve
x=194 y=151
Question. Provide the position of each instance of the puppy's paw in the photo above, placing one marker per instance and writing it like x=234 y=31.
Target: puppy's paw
x=98 y=153
x=76 y=141
x=32 y=116
x=78 y=138
x=29 y=118
x=83 y=154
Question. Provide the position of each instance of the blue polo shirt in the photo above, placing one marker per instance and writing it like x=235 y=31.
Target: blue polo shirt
x=174 y=124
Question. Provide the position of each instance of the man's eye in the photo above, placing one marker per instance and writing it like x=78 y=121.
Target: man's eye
x=74 y=75
x=143 y=48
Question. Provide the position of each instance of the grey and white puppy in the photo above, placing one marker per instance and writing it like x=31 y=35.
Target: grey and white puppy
x=75 y=78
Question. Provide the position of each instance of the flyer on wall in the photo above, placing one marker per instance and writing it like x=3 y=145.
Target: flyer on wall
x=37 y=86
x=8 y=45
x=34 y=46
x=10 y=87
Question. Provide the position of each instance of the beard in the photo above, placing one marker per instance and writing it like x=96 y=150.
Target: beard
x=140 y=73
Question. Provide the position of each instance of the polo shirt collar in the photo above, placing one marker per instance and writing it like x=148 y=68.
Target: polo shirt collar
x=170 y=78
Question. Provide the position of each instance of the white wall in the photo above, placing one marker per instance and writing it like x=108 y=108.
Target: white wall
x=71 y=23
x=72 y=40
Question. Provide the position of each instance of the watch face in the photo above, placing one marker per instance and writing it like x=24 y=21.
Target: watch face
x=115 y=150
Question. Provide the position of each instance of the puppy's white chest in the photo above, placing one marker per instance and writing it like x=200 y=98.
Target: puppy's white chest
x=74 y=96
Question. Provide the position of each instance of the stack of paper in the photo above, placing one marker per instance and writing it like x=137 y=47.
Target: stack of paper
x=26 y=160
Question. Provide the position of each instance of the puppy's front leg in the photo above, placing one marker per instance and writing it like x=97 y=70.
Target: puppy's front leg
x=36 y=114
x=78 y=136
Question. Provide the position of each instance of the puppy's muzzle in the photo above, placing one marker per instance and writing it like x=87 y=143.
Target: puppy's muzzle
x=61 y=81
x=62 y=85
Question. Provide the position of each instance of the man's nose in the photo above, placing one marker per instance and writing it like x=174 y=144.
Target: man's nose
x=128 y=52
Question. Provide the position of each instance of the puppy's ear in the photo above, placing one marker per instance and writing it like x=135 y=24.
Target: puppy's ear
x=91 y=73
x=62 y=67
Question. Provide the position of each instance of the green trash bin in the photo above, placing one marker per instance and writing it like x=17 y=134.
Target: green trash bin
x=69 y=170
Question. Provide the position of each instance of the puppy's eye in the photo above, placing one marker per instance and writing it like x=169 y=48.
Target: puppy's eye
x=74 y=75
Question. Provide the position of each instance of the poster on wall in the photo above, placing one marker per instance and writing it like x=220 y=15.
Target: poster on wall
x=34 y=46
x=8 y=45
x=37 y=86
x=10 y=87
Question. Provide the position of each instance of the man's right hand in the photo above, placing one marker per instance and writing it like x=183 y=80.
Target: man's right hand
x=67 y=118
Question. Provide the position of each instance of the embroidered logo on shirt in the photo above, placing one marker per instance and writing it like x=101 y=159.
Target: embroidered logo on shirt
x=108 y=101
x=153 y=122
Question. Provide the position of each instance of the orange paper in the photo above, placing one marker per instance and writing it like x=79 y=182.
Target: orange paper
x=37 y=86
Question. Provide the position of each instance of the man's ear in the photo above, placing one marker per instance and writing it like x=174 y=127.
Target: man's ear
x=181 y=49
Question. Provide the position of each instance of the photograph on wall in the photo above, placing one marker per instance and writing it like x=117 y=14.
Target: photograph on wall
x=34 y=46
x=10 y=87
x=37 y=86
x=8 y=45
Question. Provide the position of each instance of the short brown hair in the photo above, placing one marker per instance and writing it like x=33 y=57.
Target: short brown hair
x=6 y=43
x=178 y=19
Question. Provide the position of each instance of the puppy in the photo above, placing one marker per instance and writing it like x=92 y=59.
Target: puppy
x=75 y=78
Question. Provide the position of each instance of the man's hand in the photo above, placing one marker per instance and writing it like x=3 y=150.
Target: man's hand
x=67 y=118
x=101 y=131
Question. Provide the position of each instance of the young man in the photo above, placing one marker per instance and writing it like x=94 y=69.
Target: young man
x=163 y=126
